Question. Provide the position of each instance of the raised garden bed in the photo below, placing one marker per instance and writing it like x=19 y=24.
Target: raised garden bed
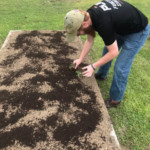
x=44 y=104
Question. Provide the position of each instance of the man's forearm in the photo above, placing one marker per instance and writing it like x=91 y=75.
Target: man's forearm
x=111 y=54
x=105 y=59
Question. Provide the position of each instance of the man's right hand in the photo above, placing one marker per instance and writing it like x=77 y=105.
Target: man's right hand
x=77 y=62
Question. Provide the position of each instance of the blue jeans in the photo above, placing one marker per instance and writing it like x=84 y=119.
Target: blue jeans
x=129 y=46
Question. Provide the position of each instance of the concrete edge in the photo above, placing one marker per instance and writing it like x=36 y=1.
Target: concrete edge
x=114 y=136
x=112 y=133
x=7 y=38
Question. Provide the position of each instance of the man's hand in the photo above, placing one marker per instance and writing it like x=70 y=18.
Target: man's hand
x=77 y=62
x=89 y=71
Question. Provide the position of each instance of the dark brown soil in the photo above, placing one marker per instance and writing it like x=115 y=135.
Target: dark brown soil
x=43 y=103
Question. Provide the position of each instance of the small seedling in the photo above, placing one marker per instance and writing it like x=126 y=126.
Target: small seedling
x=79 y=74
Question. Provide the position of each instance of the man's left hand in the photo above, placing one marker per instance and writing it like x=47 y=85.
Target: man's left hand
x=88 y=71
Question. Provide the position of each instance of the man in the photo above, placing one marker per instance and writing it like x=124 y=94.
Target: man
x=122 y=27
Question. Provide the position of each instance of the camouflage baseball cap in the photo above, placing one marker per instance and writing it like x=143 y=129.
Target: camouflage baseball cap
x=72 y=23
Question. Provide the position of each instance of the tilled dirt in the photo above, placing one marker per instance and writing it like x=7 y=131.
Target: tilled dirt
x=43 y=103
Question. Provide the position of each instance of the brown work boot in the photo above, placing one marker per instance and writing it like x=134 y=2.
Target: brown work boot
x=99 y=77
x=110 y=103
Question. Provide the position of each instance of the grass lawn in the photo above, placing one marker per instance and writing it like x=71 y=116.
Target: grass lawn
x=132 y=119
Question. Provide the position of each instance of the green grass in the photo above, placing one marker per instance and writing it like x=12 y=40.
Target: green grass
x=132 y=119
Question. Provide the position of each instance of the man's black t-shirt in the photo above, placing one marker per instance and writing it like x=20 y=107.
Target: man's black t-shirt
x=111 y=17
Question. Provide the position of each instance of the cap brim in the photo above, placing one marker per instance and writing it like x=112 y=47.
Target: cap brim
x=71 y=37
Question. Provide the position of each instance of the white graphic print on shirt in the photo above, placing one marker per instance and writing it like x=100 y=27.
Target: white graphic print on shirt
x=115 y=4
